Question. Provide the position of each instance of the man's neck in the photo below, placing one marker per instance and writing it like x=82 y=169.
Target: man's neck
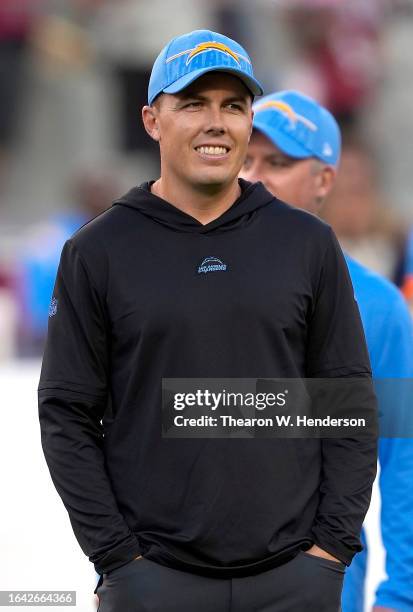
x=205 y=205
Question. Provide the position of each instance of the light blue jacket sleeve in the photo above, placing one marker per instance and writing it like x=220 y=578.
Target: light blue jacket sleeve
x=394 y=359
x=389 y=333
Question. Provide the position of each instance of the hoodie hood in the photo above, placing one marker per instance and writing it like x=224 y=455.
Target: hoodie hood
x=253 y=197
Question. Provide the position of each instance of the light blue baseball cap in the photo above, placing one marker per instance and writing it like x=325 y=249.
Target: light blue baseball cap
x=186 y=58
x=299 y=126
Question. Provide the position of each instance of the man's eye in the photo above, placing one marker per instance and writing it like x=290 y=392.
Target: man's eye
x=233 y=106
x=192 y=105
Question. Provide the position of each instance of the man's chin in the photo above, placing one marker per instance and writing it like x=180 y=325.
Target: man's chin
x=215 y=182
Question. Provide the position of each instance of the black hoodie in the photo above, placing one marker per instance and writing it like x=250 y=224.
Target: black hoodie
x=146 y=292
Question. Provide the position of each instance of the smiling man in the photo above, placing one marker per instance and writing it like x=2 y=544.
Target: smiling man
x=200 y=275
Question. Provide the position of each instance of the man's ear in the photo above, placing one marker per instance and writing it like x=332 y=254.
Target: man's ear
x=151 y=122
x=326 y=179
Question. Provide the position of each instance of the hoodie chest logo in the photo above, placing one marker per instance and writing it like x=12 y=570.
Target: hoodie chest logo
x=212 y=264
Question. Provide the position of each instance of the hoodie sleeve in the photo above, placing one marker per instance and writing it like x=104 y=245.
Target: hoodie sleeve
x=336 y=348
x=73 y=395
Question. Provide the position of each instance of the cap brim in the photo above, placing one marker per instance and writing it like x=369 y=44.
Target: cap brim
x=252 y=84
x=285 y=143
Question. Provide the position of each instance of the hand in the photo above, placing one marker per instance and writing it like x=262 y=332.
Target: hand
x=319 y=552
x=139 y=557
x=382 y=609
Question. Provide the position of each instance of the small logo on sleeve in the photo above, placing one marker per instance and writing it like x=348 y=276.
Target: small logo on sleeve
x=212 y=264
x=53 y=307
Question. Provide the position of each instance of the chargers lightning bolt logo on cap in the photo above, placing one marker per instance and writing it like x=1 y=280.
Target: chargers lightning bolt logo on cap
x=286 y=109
x=204 y=47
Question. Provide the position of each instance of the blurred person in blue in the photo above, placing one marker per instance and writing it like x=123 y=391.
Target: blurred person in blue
x=93 y=190
x=295 y=151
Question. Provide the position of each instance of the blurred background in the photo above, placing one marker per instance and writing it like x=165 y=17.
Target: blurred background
x=73 y=78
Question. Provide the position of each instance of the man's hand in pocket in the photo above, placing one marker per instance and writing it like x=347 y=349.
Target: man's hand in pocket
x=319 y=552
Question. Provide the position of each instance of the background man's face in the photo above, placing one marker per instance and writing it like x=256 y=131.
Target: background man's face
x=294 y=181
x=204 y=130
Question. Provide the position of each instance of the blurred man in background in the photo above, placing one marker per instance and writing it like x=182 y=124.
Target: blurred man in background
x=167 y=522
x=295 y=151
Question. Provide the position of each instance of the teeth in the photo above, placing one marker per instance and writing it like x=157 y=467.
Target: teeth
x=212 y=150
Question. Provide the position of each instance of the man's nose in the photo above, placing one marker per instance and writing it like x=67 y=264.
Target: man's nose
x=215 y=122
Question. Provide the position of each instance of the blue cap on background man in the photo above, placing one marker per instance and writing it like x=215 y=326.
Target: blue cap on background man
x=299 y=126
x=185 y=58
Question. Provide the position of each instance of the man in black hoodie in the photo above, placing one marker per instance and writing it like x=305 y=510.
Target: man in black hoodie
x=199 y=275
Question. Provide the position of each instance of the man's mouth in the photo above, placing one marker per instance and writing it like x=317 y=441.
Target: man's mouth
x=212 y=150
